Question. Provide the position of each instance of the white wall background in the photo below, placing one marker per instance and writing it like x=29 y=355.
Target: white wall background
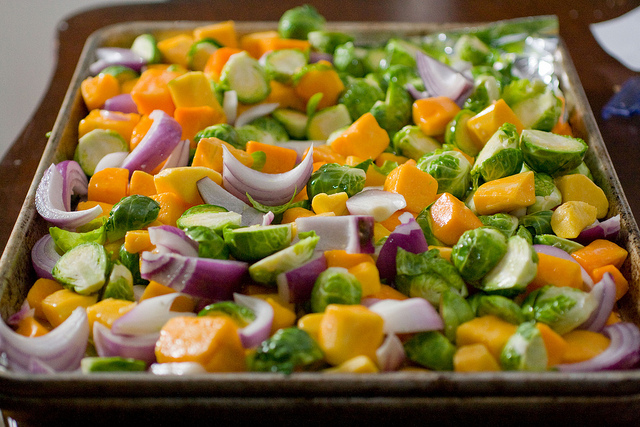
x=27 y=56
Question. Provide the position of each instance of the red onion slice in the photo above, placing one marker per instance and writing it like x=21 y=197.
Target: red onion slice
x=50 y=205
x=255 y=112
x=122 y=103
x=267 y=218
x=258 y=330
x=148 y=317
x=44 y=256
x=214 y=279
x=74 y=181
x=353 y=233
x=214 y=194
x=108 y=56
x=408 y=316
x=622 y=353
x=61 y=349
x=266 y=188
x=605 y=293
x=111 y=160
x=230 y=106
x=24 y=312
x=177 y=368
x=141 y=347
x=379 y=204
x=559 y=253
x=408 y=236
x=169 y=239
x=607 y=229
x=415 y=93
x=179 y=157
x=390 y=354
x=159 y=142
x=295 y=285
x=441 y=80
x=317 y=56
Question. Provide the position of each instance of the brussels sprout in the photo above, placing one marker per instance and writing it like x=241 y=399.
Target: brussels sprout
x=281 y=64
x=249 y=132
x=121 y=73
x=271 y=126
x=327 y=41
x=399 y=51
x=471 y=49
x=562 y=308
x=210 y=243
x=146 y=46
x=583 y=169
x=431 y=350
x=335 y=285
x=374 y=58
x=454 y=310
x=427 y=275
x=83 y=269
x=500 y=156
x=525 y=234
x=537 y=223
x=458 y=135
x=211 y=216
x=221 y=131
x=497 y=305
x=333 y=178
x=534 y=103
x=120 y=284
x=547 y=194
x=525 y=350
x=131 y=213
x=294 y=121
x=566 y=245
x=288 y=350
x=359 y=96
x=65 y=239
x=394 y=112
x=402 y=75
x=503 y=222
x=450 y=168
x=326 y=121
x=425 y=221
x=267 y=269
x=241 y=315
x=96 y=144
x=298 y=22
x=550 y=153
x=111 y=364
x=257 y=241
x=477 y=252
x=131 y=260
x=411 y=142
x=349 y=58
x=515 y=270
x=486 y=91
x=246 y=76
x=200 y=51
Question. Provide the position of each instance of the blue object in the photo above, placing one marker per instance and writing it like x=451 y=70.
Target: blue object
x=626 y=102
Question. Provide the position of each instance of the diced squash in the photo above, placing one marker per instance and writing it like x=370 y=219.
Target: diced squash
x=310 y=323
x=451 y=218
x=600 y=253
x=418 y=187
x=284 y=315
x=387 y=292
x=41 y=289
x=433 y=114
x=171 y=207
x=142 y=183
x=182 y=181
x=347 y=331
x=489 y=330
x=109 y=185
x=474 y=358
x=175 y=49
x=578 y=187
x=553 y=343
x=320 y=80
x=484 y=124
x=505 y=194
x=96 y=90
x=107 y=311
x=570 y=218
x=192 y=89
x=211 y=341
x=278 y=159
x=583 y=345
x=356 y=365
x=209 y=154
x=556 y=271
x=445 y=251
x=285 y=95
x=340 y=258
x=269 y=44
x=367 y=274
x=151 y=91
x=217 y=60
x=123 y=123
x=389 y=157
x=325 y=203
x=622 y=284
x=58 y=306
x=291 y=214
x=139 y=131
x=194 y=119
x=380 y=232
x=364 y=138
x=136 y=241
x=31 y=327
x=323 y=154
x=222 y=32
x=394 y=220
x=183 y=303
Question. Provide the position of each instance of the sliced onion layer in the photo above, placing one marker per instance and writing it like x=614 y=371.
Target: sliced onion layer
x=147 y=317
x=352 y=233
x=266 y=188
x=390 y=354
x=295 y=285
x=408 y=236
x=179 y=157
x=607 y=229
x=61 y=349
x=380 y=204
x=44 y=256
x=441 y=80
x=408 y=316
x=255 y=112
x=108 y=344
x=605 y=293
x=108 y=56
x=122 y=103
x=230 y=105
x=258 y=330
x=214 y=194
x=111 y=160
x=169 y=239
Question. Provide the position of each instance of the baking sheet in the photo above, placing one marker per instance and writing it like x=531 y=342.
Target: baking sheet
x=243 y=396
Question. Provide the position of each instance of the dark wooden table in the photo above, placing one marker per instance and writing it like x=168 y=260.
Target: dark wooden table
x=599 y=73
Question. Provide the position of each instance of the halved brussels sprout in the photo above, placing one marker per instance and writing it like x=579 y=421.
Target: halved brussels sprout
x=335 y=285
x=222 y=131
x=200 y=51
x=515 y=270
x=96 y=144
x=65 y=239
x=547 y=194
x=534 y=103
x=359 y=96
x=241 y=315
x=562 y=308
x=525 y=350
x=333 y=178
x=131 y=260
x=326 y=121
x=287 y=350
x=458 y=135
x=399 y=51
x=537 y=222
x=298 y=22
x=497 y=305
x=83 y=269
x=486 y=90
x=471 y=49
x=450 y=168
x=454 y=310
x=500 y=157
x=505 y=223
x=477 y=252
x=271 y=126
x=349 y=58
x=257 y=241
x=294 y=121
x=267 y=269
x=394 y=112
x=211 y=216
x=246 y=76
x=210 y=242
x=131 y=213
x=431 y=350
x=411 y=142
x=282 y=64
x=327 y=41
x=550 y=153
x=120 y=283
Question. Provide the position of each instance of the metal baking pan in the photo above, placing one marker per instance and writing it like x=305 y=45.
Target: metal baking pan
x=311 y=397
